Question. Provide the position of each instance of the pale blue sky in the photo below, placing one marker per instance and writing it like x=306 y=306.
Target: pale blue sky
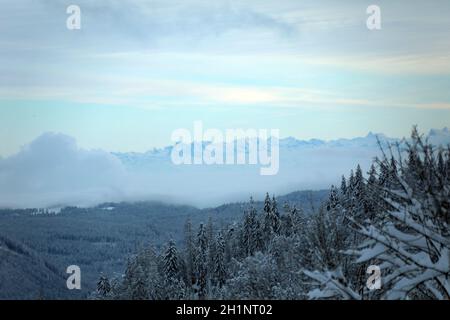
x=137 y=70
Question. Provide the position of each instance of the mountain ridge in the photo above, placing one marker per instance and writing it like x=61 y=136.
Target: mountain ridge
x=371 y=139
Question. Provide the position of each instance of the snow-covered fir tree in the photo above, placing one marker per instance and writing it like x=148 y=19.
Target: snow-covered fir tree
x=220 y=272
x=171 y=267
x=103 y=287
x=202 y=262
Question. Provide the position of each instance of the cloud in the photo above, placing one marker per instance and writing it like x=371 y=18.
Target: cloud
x=52 y=170
x=409 y=64
x=153 y=94
x=197 y=53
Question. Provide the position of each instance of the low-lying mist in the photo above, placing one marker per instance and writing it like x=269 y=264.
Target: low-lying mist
x=52 y=171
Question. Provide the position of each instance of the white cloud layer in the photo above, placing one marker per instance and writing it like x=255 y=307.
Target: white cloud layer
x=53 y=171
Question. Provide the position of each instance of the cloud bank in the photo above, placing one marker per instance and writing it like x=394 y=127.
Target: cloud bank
x=52 y=171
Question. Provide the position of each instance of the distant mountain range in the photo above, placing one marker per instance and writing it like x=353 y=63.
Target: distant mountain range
x=304 y=164
x=435 y=136
x=53 y=172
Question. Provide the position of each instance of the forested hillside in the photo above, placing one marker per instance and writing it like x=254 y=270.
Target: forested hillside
x=100 y=239
x=396 y=218
x=25 y=275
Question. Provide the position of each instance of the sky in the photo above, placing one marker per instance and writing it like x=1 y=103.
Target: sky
x=138 y=70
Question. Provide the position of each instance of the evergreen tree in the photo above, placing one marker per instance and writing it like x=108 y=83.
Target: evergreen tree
x=255 y=229
x=275 y=217
x=275 y=207
x=201 y=261
x=138 y=288
x=359 y=194
x=447 y=165
x=150 y=263
x=103 y=287
x=288 y=221
x=219 y=261
x=297 y=220
x=171 y=261
x=393 y=173
x=372 y=193
x=372 y=180
x=229 y=236
x=351 y=184
x=211 y=243
x=383 y=180
x=343 y=186
x=249 y=236
x=358 y=188
x=441 y=163
x=272 y=224
x=267 y=204
x=333 y=200
x=267 y=222
x=189 y=253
